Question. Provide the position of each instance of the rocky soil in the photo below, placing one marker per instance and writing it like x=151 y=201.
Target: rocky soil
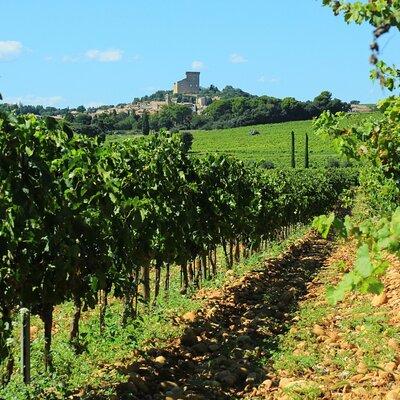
x=256 y=336
x=222 y=353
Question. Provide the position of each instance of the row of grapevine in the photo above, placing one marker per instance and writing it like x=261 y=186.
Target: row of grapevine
x=79 y=218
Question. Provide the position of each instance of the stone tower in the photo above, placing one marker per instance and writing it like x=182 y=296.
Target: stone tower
x=189 y=85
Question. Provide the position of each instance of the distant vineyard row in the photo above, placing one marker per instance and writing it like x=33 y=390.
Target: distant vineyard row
x=79 y=219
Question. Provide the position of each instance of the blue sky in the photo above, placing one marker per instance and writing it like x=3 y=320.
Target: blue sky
x=72 y=52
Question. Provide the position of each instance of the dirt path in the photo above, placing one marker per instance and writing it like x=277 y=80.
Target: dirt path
x=219 y=355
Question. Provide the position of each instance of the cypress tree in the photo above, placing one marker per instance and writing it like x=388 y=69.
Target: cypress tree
x=145 y=123
x=306 y=159
x=293 y=151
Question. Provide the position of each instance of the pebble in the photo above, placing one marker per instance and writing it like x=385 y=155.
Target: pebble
x=379 y=300
x=168 y=385
x=226 y=378
x=189 y=316
x=394 y=394
x=160 y=360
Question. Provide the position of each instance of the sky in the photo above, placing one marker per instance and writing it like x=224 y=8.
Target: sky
x=93 y=52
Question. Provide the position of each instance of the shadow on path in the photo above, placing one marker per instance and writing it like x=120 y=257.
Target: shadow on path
x=219 y=356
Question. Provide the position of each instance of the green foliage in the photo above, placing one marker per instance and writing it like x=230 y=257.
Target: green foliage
x=267 y=164
x=293 y=150
x=273 y=143
x=145 y=123
x=92 y=371
x=80 y=216
x=375 y=145
x=306 y=153
x=187 y=139
x=333 y=163
x=229 y=112
x=174 y=115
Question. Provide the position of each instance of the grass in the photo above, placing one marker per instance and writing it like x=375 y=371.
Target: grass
x=93 y=367
x=353 y=343
x=273 y=144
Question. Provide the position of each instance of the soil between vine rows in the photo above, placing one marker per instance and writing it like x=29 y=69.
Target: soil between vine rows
x=219 y=355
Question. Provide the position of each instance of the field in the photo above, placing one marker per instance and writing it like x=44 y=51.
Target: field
x=185 y=223
x=272 y=144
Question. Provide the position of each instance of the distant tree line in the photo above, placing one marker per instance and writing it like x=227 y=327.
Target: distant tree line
x=21 y=109
x=230 y=107
x=176 y=116
x=230 y=112
x=243 y=111
x=105 y=123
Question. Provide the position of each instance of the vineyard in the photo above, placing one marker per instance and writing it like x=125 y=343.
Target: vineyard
x=271 y=145
x=252 y=262
x=82 y=221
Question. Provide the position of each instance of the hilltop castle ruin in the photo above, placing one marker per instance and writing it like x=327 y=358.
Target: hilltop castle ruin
x=189 y=85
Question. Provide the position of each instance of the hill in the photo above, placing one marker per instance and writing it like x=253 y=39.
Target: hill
x=273 y=143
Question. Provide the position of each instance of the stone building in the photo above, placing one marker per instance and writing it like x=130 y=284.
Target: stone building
x=189 y=85
x=201 y=102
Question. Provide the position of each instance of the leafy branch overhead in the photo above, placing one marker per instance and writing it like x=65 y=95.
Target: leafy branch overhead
x=375 y=144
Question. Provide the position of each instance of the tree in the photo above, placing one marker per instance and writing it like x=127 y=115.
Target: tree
x=69 y=117
x=172 y=116
x=82 y=118
x=323 y=100
x=306 y=159
x=145 y=123
x=81 y=109
x=293 y=109
x=187 y=139
x=293 y=151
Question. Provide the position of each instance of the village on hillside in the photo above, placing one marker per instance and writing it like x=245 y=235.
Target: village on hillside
x=186 y=92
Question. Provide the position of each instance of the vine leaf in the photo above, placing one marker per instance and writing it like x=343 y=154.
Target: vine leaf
x=363 y=265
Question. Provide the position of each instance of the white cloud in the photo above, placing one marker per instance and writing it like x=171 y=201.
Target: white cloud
x=32 y=100
x=265 y=79
x=9 y=49
x=236 y=58
x=197 y=65
x=104 y=56
x=112 y=55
